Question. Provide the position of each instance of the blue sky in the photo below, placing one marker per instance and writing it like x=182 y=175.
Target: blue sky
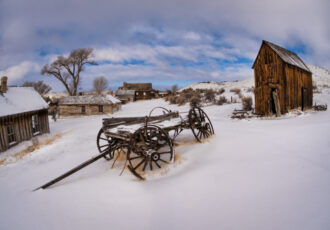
x=163 y=42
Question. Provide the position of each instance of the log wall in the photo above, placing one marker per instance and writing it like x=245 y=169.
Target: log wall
x=76 y=110
x=22 y=124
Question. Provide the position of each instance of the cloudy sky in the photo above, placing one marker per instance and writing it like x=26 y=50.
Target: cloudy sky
x=163 y=42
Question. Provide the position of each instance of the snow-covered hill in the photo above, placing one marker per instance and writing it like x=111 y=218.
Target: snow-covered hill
x=219 y=85
x=321 y=77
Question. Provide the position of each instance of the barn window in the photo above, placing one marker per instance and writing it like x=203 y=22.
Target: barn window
x=100 y=108
x=11 y=135
x=83 y=109
x=35 y=124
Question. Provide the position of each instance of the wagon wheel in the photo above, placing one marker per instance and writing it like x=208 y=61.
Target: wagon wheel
x=200 y=124
x=105 y=143
x=151 y=148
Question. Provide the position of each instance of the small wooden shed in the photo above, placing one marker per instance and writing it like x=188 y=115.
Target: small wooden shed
x=23 y=115
x=88 y=105
x=282 y=81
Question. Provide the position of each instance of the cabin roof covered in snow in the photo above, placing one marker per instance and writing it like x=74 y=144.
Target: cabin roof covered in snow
x=20 y=100
x=89 y=100
x=287 y=56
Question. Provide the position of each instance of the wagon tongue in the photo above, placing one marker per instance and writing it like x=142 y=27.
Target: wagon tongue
x=72 y=171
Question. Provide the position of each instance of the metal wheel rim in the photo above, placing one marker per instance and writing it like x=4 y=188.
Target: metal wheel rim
x=197 y=117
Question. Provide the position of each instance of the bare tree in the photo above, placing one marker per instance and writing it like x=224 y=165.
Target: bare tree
x=39 y=86
x=174 y=89
x=67 y=69
x=100 y=84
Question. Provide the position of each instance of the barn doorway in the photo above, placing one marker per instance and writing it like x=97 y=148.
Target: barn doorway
x=303 y=98
x=272 y=102
x=275 y=102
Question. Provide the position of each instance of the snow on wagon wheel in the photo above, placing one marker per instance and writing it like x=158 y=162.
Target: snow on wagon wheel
x=151 y=148
x=200 y=124
x=105 y=143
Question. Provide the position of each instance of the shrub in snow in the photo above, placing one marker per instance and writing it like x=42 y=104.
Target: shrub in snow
x=221 y=91
x=247 y=103
x=250 y=90
x=235 y=90
x=180 y=100
x=195 y=101
x=210 y=95
x=222 y=100
x=172 y=99
x=187 y=95
x=240 y=95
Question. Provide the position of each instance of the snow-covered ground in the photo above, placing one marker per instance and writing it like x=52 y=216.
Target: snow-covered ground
x=253 y=174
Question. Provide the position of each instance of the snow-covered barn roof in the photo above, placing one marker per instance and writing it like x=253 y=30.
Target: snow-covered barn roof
x=89 y=100
x=123 y=92
x=20 y=100
x=288 y=56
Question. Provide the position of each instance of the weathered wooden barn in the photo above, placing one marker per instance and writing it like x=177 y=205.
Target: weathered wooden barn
x=88 y=105
x=143 y=91
x=23 y=115
x=282 y=81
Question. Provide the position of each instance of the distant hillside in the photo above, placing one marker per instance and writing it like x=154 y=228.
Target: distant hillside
x=218 y=85
x=321 y=75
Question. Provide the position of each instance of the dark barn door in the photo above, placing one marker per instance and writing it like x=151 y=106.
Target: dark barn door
x=303 y=98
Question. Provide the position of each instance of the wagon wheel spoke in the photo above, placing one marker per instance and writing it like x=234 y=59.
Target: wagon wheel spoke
x=166 y=162
x=157 y=164
x=139 y=164
x=145 y=165
x=136 y=157
x=168 y=152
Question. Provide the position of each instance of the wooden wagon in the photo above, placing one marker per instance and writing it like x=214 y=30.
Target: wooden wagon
x=145 y=142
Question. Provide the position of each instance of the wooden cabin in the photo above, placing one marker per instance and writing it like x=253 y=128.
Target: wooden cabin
x=143 y=91
x=125 y=95
x=23 y=115
x=282 y=81
x=88 y=105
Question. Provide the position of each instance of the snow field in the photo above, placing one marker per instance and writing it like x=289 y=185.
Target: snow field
x=253 y=174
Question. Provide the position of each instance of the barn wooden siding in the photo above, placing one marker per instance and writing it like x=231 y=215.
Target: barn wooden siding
x=76 y=110
x=22 y=124
x=271 y=72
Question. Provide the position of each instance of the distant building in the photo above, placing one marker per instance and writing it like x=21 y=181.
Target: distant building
x=125 y=95
x=23 y=115
x=88 y=105
x=142 y=91
x=162 y=93
x=282 y=81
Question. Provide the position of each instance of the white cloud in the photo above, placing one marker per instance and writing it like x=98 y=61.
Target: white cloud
x=17 y=72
